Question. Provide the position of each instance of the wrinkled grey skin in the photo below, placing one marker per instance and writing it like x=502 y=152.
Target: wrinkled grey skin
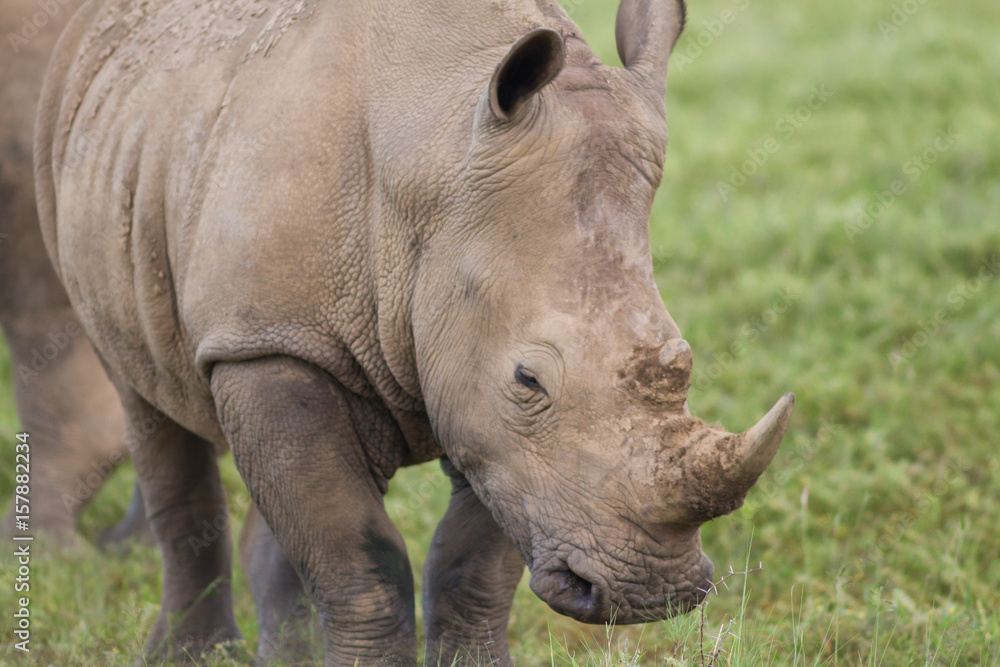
x=64 y=400
x=346 y=237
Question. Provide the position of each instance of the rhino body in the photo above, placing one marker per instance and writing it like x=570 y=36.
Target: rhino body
x=340 y=238
x=65 y=402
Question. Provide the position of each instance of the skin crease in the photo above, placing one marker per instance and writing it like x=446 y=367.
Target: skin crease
x=64 y=400
x=348 y=237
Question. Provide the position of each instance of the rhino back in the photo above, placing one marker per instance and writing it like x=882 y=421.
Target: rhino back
x=115 y=156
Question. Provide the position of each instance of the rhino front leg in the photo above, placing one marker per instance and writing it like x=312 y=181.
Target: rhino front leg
x=179 y=477
x=470 y=576
x=284 y=612
x=316 y=459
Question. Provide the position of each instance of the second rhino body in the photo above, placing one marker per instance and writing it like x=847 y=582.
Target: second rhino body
x=64 y=400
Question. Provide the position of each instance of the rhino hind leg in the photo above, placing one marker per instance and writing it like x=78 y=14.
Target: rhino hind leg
x=285 y=619
x=179 y=476
x=316 y=459
x=133 y=527
x=470 y=576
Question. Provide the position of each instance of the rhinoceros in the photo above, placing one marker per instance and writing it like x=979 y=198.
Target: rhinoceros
x=65 y=402
x=341 y=237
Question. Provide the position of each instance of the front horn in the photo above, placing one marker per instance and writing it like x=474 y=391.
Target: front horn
x=721 y=467
x=761 y=442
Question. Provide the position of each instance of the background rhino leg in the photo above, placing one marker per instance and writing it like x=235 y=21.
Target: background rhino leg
x=284 y=612
x=64 y=399
x=470 y=576
x=316 y=459
x=71 y=412
x=133 y=526
x=186 y=505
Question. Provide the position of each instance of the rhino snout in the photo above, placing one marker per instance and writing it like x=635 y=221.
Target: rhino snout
x=583 y=590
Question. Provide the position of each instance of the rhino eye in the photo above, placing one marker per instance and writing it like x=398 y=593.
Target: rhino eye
x=525 y=378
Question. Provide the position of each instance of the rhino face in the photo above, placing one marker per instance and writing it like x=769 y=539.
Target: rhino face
x=555 y=378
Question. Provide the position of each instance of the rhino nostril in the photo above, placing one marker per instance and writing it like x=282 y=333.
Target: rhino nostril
x=571 y=594
x=574 y=585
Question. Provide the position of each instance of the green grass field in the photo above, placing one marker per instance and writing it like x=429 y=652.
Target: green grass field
x=828 y=224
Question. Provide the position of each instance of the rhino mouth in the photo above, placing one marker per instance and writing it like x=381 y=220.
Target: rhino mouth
x=574 y=589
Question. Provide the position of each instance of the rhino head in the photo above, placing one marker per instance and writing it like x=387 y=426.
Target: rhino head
x=554 y=377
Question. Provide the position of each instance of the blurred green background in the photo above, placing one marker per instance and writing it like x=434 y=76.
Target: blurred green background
x=828 y=224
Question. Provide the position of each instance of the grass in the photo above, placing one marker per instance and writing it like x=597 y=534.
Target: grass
x=878 y=525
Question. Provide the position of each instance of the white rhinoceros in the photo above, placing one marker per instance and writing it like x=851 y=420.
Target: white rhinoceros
x=344 y=237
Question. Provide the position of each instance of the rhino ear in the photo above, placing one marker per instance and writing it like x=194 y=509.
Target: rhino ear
x=646 y=31
x=531 y=63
